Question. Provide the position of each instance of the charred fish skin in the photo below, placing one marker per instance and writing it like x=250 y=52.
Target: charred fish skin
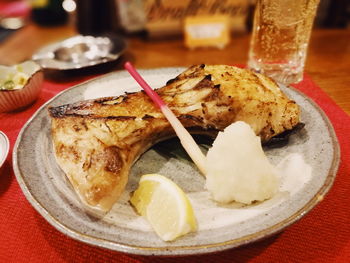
x=97 y=141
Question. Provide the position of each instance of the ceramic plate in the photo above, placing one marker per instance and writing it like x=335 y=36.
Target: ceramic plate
x=220 y=227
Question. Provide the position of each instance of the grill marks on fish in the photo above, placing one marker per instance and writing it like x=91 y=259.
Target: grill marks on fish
x=97 y=141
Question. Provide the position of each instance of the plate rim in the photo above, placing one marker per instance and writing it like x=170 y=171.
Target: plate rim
x=188 y=249
x=6 y=149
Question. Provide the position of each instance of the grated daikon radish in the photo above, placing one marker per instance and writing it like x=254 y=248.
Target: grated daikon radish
x=237 y=167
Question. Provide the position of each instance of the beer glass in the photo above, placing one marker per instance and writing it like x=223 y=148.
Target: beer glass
x=280 y=38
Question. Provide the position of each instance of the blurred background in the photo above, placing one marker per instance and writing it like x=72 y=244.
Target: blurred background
x=150 y=18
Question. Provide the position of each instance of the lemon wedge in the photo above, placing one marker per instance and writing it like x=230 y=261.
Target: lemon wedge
x=165 y=206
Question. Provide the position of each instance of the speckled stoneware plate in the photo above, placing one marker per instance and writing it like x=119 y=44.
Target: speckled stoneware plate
x=219 y=227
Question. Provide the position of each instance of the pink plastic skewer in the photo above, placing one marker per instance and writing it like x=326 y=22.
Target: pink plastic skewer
x=186 y=139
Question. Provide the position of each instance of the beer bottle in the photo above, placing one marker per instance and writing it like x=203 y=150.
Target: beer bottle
x=48 y=12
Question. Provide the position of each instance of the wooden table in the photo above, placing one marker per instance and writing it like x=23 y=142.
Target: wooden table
x=328 y=61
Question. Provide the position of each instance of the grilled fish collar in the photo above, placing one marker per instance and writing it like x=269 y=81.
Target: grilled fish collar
x=97 y=141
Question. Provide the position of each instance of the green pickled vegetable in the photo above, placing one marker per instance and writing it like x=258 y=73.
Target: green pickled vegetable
x=8 y=85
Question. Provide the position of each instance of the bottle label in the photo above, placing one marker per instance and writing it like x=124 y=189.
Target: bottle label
x=202 y=31
x=39 y=3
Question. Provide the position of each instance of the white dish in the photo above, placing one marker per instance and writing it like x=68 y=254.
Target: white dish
x=4 y=148
x=220 y=227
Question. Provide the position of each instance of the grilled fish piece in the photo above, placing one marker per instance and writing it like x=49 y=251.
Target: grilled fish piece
x=97 y=141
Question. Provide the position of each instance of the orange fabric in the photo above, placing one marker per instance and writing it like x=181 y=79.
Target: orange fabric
x=323 y=235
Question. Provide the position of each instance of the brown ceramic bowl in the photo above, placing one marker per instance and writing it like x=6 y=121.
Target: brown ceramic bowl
x=21 y=96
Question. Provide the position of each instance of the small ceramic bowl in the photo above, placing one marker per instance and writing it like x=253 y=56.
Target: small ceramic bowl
x=4 y=148
x=20 y=85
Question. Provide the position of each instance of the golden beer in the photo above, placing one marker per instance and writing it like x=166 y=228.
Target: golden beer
x=280 y=38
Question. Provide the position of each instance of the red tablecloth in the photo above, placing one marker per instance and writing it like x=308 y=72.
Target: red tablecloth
x=323 y=235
